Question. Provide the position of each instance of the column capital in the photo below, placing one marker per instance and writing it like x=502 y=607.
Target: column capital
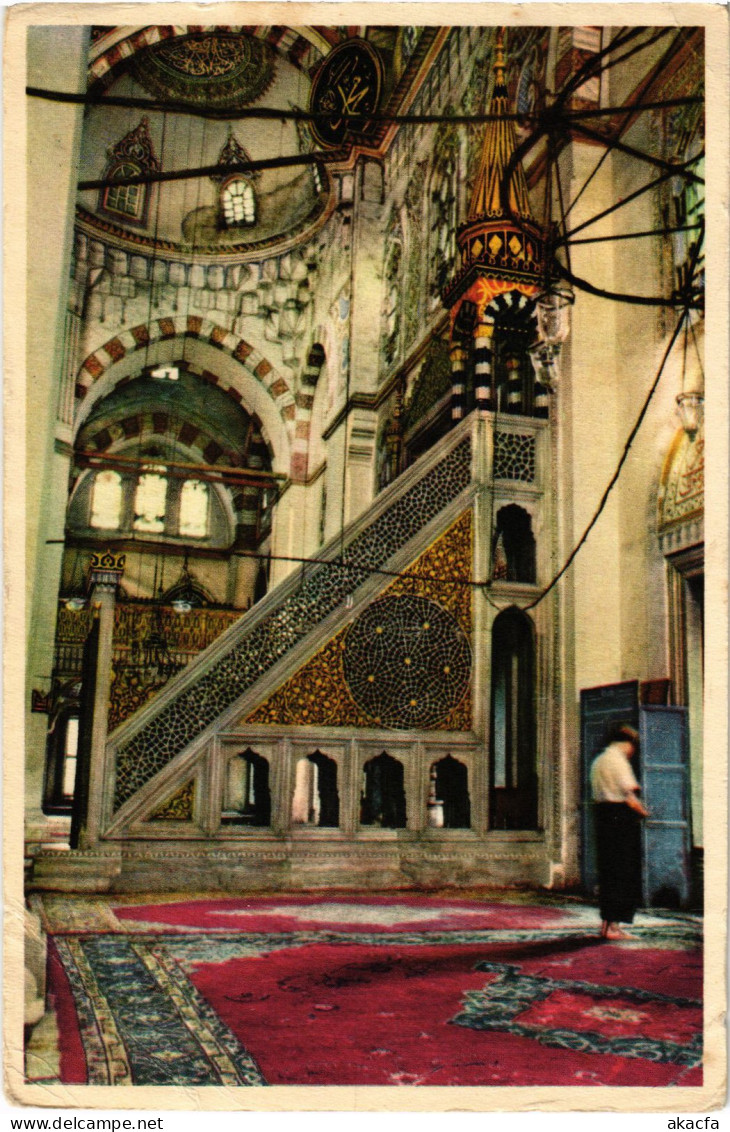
x=106 y=569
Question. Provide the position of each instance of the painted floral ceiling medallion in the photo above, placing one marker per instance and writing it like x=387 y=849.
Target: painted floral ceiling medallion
x=221 y=71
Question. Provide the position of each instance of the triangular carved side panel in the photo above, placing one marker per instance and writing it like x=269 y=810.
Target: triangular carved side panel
x=320 y=694
x=180 y=806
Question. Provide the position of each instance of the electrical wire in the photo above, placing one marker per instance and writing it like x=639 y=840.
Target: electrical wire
x=614 y=478
x=572 y=117
x=276 y=114
x=340 y=563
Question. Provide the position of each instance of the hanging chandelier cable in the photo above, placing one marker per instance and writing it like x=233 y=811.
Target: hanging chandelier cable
x=696 y=346
x=619 y=467
x=272 y=113
x=485 y=584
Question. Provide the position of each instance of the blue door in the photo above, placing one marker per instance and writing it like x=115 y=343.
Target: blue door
x=599 y=709
x=665 y=792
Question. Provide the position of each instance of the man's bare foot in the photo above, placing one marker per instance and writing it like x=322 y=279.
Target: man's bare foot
x=618 y=933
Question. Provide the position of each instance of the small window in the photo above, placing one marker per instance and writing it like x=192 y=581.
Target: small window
x=127 y=200
x=194 y=509
x=70 y=755
x=106 y=501
x=239 y=203
x=149 y=503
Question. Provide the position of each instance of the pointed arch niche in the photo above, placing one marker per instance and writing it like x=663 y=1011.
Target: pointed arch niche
x=513 y=545
x=316 y=799
x=449 y=800
x=513 y=777
x=246 y=794
x=383 y=797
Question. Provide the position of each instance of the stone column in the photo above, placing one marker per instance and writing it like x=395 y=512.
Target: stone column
x=104 y=578
x=56 y=56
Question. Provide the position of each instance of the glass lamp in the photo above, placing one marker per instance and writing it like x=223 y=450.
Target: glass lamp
x=552 y=307
x=544 y=358
x=690 y=407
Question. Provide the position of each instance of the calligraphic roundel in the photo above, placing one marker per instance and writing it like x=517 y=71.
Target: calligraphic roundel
x=345 y=92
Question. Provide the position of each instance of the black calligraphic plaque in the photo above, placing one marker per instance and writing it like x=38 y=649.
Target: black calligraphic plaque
x=345 y=93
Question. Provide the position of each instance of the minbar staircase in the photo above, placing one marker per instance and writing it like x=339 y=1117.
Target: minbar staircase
x=174 y=749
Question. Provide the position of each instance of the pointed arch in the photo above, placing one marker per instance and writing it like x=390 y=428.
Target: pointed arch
x=450 y=780
x=513 y=779
x=316 y=800
x=218 y=357
x=383 y=798
x=503 y=374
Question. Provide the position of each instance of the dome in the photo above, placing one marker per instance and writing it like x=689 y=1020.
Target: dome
x=236 y=214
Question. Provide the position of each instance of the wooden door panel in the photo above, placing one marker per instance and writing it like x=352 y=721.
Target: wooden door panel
x=665 y=786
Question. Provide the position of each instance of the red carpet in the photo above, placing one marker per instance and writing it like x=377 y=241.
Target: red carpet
x=377 y=913
x=399 y=991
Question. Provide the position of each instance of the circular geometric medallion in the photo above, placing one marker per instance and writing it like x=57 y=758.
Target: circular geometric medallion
x=406 y=661
x=221 y=71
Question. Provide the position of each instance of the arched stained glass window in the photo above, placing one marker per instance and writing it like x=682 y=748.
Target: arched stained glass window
x=106 y=501
x=150 y=501
x=238 y=203
x=128 y=200
x=194 y=509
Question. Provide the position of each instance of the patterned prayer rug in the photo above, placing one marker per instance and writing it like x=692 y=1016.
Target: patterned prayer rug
x=375 y=991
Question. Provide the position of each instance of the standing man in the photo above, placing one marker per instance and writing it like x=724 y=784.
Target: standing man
x=618 y=814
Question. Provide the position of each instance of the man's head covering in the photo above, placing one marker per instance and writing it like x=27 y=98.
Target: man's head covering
x=622 y=733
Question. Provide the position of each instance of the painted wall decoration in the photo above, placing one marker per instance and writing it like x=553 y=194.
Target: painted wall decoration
x=527 y=50
x=332 y=689
x=514 y=457
x=681 y=493
x=184 y=634
x=219 y=71
x=394 y=269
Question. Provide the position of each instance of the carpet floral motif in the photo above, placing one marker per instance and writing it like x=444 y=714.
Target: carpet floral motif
x=181 y=1005
x=142 y=1021
x=505 y=1004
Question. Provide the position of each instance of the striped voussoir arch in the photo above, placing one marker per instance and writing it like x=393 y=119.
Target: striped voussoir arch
x=511 y=307
x=293 y=410
x=297 y=47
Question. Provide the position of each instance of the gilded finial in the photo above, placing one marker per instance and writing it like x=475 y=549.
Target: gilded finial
x=499 y=58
